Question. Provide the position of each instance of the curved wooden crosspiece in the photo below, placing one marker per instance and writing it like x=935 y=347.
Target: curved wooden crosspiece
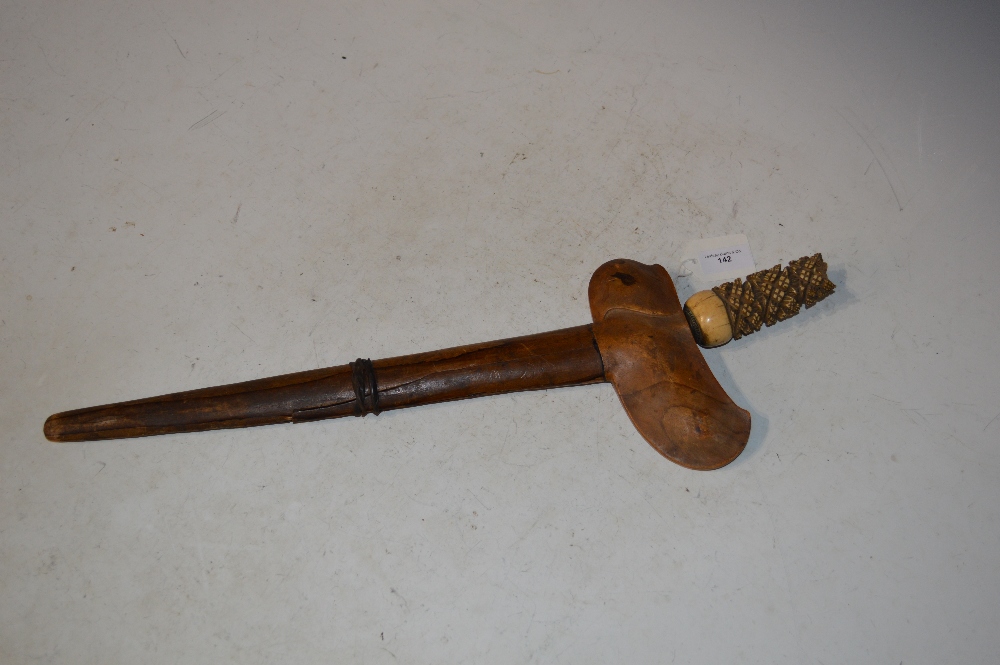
x=658 y=371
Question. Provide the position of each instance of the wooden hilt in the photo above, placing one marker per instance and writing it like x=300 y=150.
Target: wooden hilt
x=740 y=308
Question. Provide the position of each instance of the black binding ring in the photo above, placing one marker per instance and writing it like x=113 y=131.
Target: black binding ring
x=365 y=387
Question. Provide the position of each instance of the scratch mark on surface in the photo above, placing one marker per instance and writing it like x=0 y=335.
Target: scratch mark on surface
x=236 y=217
x=224 y=71
x=244 y=334
x=207 y=120
x=178 y=46
x=888 y=179
x=406 y=604
x=132 y=177
x=86 y=117
x=991 y=422
x=453 y=96
x=538 y=71
x=45 y=56
x=477 y=499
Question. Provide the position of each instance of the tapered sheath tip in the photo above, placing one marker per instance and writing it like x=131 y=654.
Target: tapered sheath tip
x=52 y=430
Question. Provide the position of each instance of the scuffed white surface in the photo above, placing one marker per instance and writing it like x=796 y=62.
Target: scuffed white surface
x=194 y=194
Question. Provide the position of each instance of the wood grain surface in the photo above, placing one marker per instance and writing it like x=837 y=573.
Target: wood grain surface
x=533 y=362
x=665 y=385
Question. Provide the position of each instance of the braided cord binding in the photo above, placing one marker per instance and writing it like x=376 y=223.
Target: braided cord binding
x=773 y=295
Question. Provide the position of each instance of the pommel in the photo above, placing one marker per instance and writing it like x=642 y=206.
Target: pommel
x=736 y=309
x=663 y=381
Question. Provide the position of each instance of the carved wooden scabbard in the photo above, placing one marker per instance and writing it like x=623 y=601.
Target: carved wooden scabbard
x=559 y=358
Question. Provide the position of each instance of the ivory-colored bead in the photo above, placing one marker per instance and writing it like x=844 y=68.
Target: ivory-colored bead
x=709 y=321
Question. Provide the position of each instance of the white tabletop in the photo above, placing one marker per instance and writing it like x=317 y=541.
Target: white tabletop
x=200 y=193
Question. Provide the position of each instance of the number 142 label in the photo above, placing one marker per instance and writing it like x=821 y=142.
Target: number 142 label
x=726 y=259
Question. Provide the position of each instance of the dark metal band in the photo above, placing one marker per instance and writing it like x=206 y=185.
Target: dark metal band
x=365 y=387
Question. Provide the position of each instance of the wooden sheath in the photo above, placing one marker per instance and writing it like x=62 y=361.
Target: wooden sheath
x=565 y=357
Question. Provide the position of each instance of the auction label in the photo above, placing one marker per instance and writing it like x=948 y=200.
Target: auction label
x=725 y=259
x=722 y=258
